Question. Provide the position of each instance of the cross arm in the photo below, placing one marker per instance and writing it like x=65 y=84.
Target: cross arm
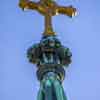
x=69 y=11
x=28 y=4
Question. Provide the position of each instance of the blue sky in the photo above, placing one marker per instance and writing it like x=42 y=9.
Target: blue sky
x=19 y=30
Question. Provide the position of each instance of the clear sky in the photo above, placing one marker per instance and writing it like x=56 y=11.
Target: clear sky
x=19 y=30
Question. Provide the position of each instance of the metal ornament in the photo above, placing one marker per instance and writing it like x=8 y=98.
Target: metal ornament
x=49 y=54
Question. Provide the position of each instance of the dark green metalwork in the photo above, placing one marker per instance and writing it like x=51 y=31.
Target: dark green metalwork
x=51 y=57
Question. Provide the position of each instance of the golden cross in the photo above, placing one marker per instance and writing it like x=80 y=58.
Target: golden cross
x=48 y=8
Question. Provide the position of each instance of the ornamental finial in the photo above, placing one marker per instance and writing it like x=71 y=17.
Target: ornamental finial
x=48 y=8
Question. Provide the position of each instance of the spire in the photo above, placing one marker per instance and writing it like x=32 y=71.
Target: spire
x=49 y=54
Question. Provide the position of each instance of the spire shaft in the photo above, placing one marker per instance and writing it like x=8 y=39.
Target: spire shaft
x=48 y=25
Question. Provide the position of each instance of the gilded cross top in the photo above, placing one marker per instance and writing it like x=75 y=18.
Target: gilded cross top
x=48 y=8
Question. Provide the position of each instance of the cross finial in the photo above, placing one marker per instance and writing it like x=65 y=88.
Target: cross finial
x=48 y=8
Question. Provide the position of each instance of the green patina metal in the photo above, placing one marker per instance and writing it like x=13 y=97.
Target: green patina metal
x=50 y=56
